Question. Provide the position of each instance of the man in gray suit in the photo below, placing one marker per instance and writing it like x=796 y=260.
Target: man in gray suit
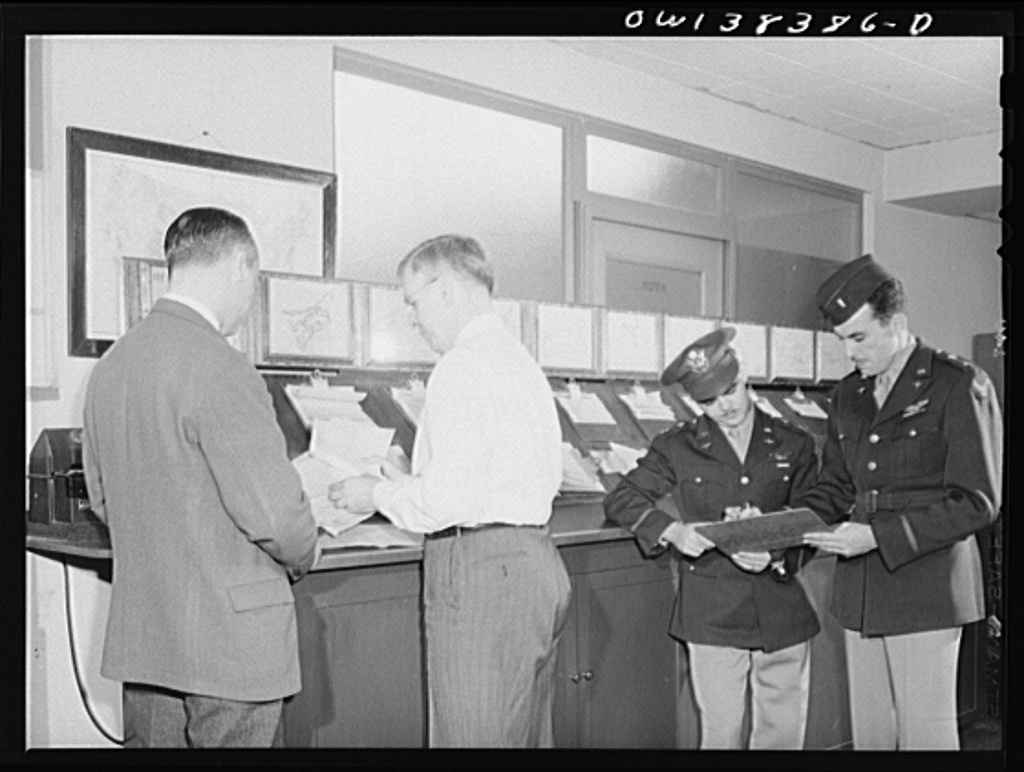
x=186 y=464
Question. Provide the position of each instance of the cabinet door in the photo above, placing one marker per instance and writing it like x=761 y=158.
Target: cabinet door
x=626 y=658
x=362 y=660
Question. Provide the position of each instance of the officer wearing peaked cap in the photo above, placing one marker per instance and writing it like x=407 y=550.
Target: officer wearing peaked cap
x=746 y=626
x=914 y=452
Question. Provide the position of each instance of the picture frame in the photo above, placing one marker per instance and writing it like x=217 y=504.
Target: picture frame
x=145 y=282
x=306 y=321
x=123 y=192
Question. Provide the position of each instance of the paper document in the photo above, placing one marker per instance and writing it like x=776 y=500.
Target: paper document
x=578 y=473
x=806 y=408
x=411 y=400
x=618 y=459
x=772 y=530
x=317 y=477
x=324 y=402
x=765 y=404
x=378 y=535
x=585 y=408
x=352 y=446
x=647 y=406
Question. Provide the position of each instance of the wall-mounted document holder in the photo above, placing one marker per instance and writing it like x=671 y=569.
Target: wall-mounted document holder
x=565 y=337
x=792 y=354
x=830 y=360
x=751 y=343
x=645 y=404
x=631 y=343
x=681 y=331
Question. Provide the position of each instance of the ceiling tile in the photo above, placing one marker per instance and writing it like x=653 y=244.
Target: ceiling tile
x=858 y=102
x=886 y=92
x=948 y=130
x=908 y=122
x=797 y=83
x=874 y=135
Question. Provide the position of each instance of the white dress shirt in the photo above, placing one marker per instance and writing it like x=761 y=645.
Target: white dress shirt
x=488 y=447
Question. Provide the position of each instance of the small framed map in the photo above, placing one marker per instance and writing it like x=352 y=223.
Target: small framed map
x=306 y=321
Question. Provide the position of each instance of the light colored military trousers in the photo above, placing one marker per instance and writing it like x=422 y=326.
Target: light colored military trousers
x=778 y=684
x=903 y=690
x=495 y=602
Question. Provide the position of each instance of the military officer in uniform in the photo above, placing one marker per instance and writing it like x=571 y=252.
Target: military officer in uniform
x=911 y=468
x=744 y=619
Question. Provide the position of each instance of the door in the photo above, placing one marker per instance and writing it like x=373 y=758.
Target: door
x=638 y=268
x=627 y=658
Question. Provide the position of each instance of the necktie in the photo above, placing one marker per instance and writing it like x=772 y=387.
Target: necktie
x=882 y=384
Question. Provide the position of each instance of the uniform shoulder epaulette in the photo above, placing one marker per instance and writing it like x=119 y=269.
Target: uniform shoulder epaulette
x=980 y=381
x=953 y=359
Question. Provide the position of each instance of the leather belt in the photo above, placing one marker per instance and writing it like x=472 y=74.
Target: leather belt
x=873 y=501
x=463 y=530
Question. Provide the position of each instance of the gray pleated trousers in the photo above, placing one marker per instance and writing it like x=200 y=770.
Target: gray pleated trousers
x=495 y=602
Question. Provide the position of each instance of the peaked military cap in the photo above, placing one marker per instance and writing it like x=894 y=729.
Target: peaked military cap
x=845 y=291
x=707 y=367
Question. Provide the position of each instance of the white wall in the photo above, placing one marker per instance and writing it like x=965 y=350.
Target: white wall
x=271 y=99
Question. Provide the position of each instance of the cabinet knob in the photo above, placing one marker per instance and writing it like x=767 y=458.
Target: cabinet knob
x=575 y=678
x=589 y=675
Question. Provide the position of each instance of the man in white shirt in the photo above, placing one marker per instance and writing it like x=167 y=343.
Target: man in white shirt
x=486 y=465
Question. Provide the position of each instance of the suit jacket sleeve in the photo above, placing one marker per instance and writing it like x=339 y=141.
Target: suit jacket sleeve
x=971 y=479
x=633 y=502
x=245 y=449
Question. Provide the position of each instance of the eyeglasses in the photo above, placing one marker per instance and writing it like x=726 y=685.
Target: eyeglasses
x=410 y=299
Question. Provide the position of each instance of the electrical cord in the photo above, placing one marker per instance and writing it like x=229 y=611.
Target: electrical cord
x=74 y=659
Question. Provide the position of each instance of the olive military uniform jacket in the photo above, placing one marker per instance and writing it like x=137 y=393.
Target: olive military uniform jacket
x=925 y=473
x=717 y=602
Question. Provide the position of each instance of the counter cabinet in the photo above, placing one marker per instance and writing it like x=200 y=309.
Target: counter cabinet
x=363 y=664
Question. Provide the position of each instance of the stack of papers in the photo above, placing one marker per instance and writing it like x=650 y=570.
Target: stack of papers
x=578 y=474
x=806 y=408
x=585 y=408
x=351 y=445
x=378 y=535
x=618 y=459
x=765 y=404
x=647 y=406
x=317 y=477
x=324 y=402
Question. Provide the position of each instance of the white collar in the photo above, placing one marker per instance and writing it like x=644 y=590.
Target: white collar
x=196 y=306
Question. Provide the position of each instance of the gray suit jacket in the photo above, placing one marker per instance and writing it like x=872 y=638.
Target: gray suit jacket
x=185 y=462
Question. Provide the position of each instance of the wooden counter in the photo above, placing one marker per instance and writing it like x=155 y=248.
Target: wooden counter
x=577 y=519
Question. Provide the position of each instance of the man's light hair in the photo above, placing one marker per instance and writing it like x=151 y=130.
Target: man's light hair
x=460 y=254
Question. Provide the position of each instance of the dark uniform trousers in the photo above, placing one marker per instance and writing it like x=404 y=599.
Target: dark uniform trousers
x=924 y=471
x=738 y=626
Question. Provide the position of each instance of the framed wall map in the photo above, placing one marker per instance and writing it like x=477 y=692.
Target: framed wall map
x=123 y=193
x=306 y=321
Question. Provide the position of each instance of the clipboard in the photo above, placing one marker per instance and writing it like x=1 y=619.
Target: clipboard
x=772 y=530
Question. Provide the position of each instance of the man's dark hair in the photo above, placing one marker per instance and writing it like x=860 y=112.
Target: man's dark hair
x=202 y=236
x=887 y=300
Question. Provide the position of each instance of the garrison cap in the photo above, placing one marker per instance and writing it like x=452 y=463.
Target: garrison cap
x=707 y=367
x=845 y=291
